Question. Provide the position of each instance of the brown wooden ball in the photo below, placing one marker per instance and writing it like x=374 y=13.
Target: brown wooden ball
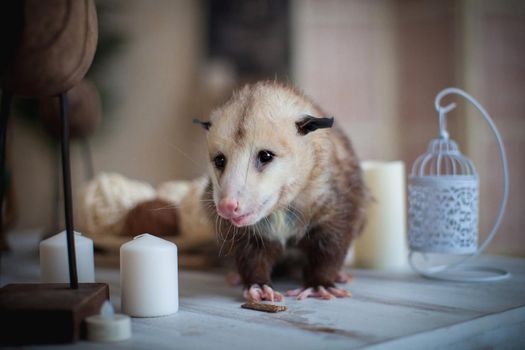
x=48 y=46
x=157 y=217
x=84 y=111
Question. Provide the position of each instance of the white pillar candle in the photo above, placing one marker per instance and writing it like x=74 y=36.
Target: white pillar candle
x=54 y=265
x=383 y=244
x=149 y=277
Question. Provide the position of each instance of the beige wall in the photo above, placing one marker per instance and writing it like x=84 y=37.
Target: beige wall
x=344 y=57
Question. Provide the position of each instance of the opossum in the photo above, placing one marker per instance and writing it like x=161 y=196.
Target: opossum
x=283 y=175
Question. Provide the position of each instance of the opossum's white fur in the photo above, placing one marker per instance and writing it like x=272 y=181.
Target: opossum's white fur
x=263 y=117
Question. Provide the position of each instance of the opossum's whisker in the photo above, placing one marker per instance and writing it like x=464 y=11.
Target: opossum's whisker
x=174 y=206
x=257 y=228
x=224 y=240
x=222 y=138
x=221 y=247
x=296 y=214
x=228 y=237
x=179 y=205
x=251 y=235
x=246 y=242
x=267 y=223
x=175 y=147
x=225 y=237
x=255 y=236
x=302 y=224
x=217 y=228
x=235 y=231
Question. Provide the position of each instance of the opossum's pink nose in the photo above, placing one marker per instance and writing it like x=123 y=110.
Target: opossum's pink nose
x=228 y=207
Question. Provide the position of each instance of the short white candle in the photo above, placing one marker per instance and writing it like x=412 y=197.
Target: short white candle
x=383 y=244
x=54 y=265
x=108 y=326
x=149 y=277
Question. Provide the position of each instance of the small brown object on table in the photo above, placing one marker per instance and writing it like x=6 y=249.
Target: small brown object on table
x=264 y=307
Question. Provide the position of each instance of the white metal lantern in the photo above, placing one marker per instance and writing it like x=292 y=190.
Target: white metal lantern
x=443 y=203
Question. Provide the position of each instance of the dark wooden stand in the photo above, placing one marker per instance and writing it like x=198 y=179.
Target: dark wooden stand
x=38 y=313
x=47 y=313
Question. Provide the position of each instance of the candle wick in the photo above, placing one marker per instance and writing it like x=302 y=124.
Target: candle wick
x=107 y=311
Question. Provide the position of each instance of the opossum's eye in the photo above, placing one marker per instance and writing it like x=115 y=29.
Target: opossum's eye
x=264 y=157
x=219 y=161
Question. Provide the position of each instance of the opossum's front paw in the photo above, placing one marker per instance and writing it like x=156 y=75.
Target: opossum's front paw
x=319 y=292
x=257 y=293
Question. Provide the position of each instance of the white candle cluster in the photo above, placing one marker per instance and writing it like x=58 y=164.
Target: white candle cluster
x=148 y=271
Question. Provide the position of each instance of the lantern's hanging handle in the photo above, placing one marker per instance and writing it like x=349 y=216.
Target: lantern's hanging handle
x=496 y=274
x=443 y=133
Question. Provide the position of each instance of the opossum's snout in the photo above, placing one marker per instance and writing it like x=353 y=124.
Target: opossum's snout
x=229 y=209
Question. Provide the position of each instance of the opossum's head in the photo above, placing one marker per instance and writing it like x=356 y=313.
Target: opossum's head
x=260 y=146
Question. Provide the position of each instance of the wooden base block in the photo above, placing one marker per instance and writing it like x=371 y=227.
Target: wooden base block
x=47 y=313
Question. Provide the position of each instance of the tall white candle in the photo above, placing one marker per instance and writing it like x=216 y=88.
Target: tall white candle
x=149 y=277
x=383 y=244
x=54 y=265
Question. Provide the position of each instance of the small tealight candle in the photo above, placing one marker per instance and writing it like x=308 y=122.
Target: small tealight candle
x=108 y=326
x=149 y=277
x=54 y=266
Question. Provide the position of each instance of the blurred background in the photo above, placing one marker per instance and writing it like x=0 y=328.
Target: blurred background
x=374 y=65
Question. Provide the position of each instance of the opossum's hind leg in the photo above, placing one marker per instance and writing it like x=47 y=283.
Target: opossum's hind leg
x=258 y=293
x=319 y=292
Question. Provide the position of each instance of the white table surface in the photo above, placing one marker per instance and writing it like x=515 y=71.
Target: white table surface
x=388 y=310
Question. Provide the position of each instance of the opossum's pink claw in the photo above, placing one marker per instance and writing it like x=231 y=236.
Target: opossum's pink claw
x=340 y=292
x=257 y=293
x=294 y=292
x=319 y=292
x=254 y=293
x=270 y=294
x=305 y=293
x=323 y=293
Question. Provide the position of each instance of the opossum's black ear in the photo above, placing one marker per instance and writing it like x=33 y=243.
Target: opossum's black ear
x=309 y=124
x=205 y=125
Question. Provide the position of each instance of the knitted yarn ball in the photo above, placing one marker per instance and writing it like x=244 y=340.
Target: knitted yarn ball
x=107 y=199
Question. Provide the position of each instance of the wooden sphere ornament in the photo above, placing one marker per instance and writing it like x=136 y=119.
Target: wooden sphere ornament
x=157 y=217
x=84 y=109
x=47 y=46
